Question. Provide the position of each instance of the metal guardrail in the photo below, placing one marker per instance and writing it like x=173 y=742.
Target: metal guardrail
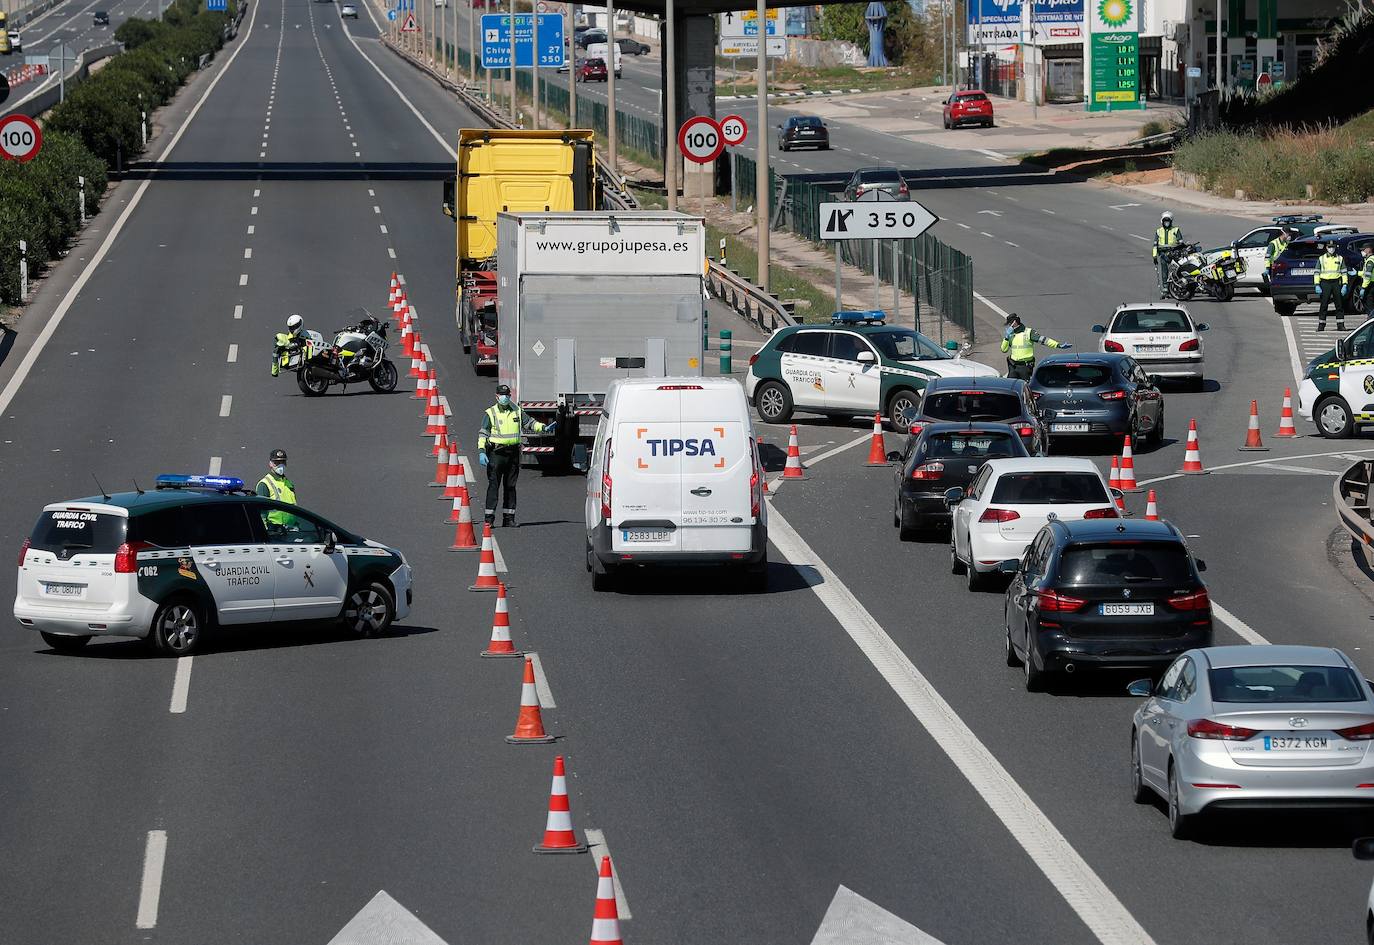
x=746 y=299
x=1350 y=494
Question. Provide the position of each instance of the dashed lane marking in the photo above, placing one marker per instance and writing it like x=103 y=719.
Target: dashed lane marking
x=243 y=278
x=216 y=463
x=964 y=226
x=248 y=252
x=238 y=311
x=225 y=404
x=150 y=890
x=181 y=685
x=1047 y=210
x=383 y=228
x=251 y=229
x=391 y=252
x=1137 y=236
x=253 y=211
x=541 y=683
x=233 y=354
x=1242 y=629
x=596 y=844
x=987 y=234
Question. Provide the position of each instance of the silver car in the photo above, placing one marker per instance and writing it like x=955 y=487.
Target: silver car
x=1254 y=726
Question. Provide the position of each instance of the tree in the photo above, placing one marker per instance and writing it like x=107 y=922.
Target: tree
x=845 y=22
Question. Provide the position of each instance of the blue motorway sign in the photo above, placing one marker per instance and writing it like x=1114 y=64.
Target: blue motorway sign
x=391 y=15
x=405 y=4
x=496 y=40
x=216 y=5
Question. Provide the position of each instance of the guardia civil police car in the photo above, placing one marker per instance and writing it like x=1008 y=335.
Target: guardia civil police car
x=196 y=552
x=1337 y=392
x=856 y=366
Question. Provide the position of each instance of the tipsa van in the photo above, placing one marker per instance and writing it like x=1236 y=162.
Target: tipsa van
x=675 y=478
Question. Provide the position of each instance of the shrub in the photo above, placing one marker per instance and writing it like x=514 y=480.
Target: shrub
x=1153 y=127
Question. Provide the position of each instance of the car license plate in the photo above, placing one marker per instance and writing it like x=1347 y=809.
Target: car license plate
x=1126 y=610
x=1069 y=427
x=64 y=590
x=1303 y=272
x=1295 y=742
x=645 y=534
x=1148 y=348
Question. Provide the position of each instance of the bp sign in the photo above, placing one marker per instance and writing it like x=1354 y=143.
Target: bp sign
x=1113 y=55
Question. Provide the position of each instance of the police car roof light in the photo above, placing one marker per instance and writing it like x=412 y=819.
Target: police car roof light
x=869 y=317
x=1299 y=218
x=217 y=483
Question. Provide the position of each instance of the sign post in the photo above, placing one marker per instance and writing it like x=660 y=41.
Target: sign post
x=700 y=141
x=733 y=131
x=866 y=219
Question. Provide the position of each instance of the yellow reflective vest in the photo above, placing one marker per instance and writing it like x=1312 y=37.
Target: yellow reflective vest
x=1166 y=236
x=1021 y=346
x=282 y=490
x=501 y=426
x=1329 y=266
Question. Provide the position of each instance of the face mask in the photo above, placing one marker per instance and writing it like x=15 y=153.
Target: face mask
x=503 y=400
x=279 y=469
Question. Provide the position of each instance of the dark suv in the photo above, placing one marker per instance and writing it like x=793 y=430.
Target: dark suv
x=982 y=400
x=803 y=131
x=1292 y=278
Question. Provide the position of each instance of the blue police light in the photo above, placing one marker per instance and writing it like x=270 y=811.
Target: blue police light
x=870 y=317
x=218 y=483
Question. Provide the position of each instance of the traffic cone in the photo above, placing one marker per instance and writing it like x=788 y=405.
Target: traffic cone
x=441 y=469
x=1253 y=443
x=1119 y=501
x=1151 y=507
x=529 y=724
x=456 y=479
x=877 y=450
x=1114 y=481
x=1192 y=456
x=1286 y=427
x=436 y=426
x=1127 y=483
x=558 y=829
x=500 y=647
x=440 y=438
x=463 y=537
x=486 y=568
x=606 y=919
x=393 y=290
x=793 y=469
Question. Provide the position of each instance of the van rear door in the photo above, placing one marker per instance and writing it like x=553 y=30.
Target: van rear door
x=717 y=463
x=645 y=473
x=69 y=562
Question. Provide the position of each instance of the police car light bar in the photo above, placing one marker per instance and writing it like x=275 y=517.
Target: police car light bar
x=218 y=483
x=1299 y=218
x=870 y=317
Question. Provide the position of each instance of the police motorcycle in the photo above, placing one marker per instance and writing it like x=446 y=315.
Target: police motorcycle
x=357 y=354
x=1191 y=271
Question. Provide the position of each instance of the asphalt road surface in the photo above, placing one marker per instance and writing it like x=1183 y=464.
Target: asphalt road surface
x=741 y=756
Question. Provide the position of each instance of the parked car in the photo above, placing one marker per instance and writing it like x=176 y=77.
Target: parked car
x=981 y=400
x=1098 y=395
x=591 y=70
x=1253 y=247
x=887 y=179
x=1292 y=282
x=803 y=131
x=102 y=18
x=1162 y=337
x=970 y=107
x=940 y=457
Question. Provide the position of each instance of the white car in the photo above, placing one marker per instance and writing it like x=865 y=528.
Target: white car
x=16 y=41
x=1161 y=336
x=1253 y=247
x=348 y=9
x=1009 y=500
x=1363 y=849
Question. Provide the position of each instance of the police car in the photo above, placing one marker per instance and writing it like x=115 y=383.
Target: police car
x=856 y=366
x=1253 y=247
x=1337 y=392
x=196 y=552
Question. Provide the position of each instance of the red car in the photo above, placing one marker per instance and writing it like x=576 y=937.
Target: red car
x=971 y=107
x=592 y=70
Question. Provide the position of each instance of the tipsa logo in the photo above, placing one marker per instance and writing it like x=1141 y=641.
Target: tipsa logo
x=687 y=447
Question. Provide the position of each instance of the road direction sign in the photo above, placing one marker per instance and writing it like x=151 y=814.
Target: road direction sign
x=408 y=24
x=391 y=15
x=746 y=23
x=733 y=130
x=744 y=47
x=20 y=138
x=496 y=40
x=216 y=5
x=699 y=139
x=902 y=220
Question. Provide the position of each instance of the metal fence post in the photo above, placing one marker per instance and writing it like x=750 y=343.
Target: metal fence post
x=143 y=127
x=896 y=282
x=726 y=347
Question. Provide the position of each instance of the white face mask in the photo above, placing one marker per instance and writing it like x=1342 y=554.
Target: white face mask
x=503 y=400
x=279 y=469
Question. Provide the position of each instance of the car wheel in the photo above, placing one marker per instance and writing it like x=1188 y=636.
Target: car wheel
x=1140 y=792
x=603 y=575
x=1180 y=824
x=1012 y=658
x=1333 y=418
x=1284 y=307
x=773 y=401
x=973 y=578
x=901 y=407
x=177 y=628
x=368 y=612
x=1035 y=678
x=63 y=643
x=955 y=565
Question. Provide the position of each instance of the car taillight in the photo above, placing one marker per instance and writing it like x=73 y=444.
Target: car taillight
x=902 y=189
x=999 y=515
x=755 y=490
x=1195 y=601
x=23 y=552
x=1190 y=345
x=1357 y=733
x=915 y=428
x=126 y=556
x=929 y=471
x=1058 y=603
x=1110 y=345
x=1206 y=728
x=1102 y=513
x=753 y=358
x=1279 y=267
x=1026 y=430
x=1113 y=395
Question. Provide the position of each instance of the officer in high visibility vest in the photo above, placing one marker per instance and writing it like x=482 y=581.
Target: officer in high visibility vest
x=498 y=449
x=276 y=486
x=1166 y=236
x=1329 y=278
x=1018 y=343
x=1367 y=278
x=294 y=334
x=1276 y=247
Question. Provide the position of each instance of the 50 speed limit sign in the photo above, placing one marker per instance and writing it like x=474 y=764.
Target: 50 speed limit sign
x=699 y=140
x=733 y=130
x=20 y=138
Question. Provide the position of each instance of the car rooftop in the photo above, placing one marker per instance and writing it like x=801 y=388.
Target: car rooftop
x=150 y=499
x=1043 y=464
x=1087 y=357
x=947 y=426
x=1268 y=655
x=961 y=382
x=1136 y=306
x=1118 y=529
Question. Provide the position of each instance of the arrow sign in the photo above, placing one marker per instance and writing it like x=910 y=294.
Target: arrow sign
x=901 y=220
x=853 y=920
x=386 y=920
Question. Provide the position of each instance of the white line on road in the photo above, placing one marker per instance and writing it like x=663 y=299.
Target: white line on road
x=181 y=685
x=257 y=192
x=1104 y=914
x=1044 y=210
x=992 y=154
x=391 y=252
x=225 y=403
x=1305 y=470
x=238 y=311
x=541 y=683
x=596 y=843
x=1253 y=462
x=991 y=304
x=372 y=193
x=243 y=278
x=252 y=229
x=154 y=857
x=248 y=252
x=496 y=553
x=1010 y=243
x=987 y=234
x=375 y=208
x=1293 y=358
x=1122 y=206
x=253 y=211
x=776 y=485
x=216 y=463
x=383 y=227
x=965 y=226
x=233 y=354
x=1243 y=629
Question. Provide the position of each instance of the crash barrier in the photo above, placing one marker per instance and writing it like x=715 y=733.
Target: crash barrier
x=747 y=300
x=1350 y=495
x=36 y=103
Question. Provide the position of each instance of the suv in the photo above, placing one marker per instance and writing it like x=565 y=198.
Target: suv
x=982 y=400
x=972 y=107
x=198 y=551
x=1253 y=247
x=1292 y=280
x=803 y=131
x=856 y=365
x=102 y=18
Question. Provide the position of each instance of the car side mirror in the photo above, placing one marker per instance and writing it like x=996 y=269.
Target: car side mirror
x=1117 y=494
x=1201 y=565
x=954 y=496
x=894 y=457
x=331 y=542
x=450 y=197
x=1142 y=688
x=1010 y=566
x=866 y=357
x=1100 y=329
x=1203 y=326
x=1363 y=848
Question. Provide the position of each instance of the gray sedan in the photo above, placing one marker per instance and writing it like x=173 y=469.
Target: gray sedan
x=1255 y=727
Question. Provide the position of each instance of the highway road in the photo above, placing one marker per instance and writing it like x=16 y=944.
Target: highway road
x=741 y=756
x=72 y=23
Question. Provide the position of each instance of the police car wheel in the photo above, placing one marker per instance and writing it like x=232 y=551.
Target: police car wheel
x=1333 y=418
x=177 y=628
x=63 y=643
x=773 y=402
x=901 y=407
x=368 y=612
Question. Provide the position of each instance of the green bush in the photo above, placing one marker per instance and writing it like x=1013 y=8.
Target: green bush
x=1153 y=127
x=1338 y=163
x=134 y=32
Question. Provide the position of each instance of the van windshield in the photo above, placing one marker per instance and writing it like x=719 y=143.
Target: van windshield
x=69 y=531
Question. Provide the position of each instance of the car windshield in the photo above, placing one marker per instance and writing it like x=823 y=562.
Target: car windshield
x=971 y=405
x=1049 y=488
x=1252 y=684
x=908 y=346
x=1117 y=563
x=1144 y=320
x=971 y=445
x=880 y=175
x=806 y=121
x=1072 y=375
x=69 y=531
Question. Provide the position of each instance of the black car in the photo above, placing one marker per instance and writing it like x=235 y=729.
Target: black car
x=589 y=36
x=1104 y=593
x=803 y=131
x=982 y=400
x=102 y=18
x=940 y=457
x=1098 y=395
x=631 y=47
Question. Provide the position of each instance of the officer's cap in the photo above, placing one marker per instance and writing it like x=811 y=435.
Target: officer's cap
x=503 y=389
x=278 y=456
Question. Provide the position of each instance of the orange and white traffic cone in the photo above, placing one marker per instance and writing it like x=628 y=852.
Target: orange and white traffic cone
x=441 y=469
x=463 y=537
x=558 y=829
x=1192 y=456
x=455 y=479
x=437 y=426
x=877 y=449
x=486 y=567
x=393 y=290
x=1119 y=501
x=529 y=725
x=1151 y=507
x=500 y=647
x=606 y=918
x=1286 y=427
x=1253 y=443
x=793 y=469
x=1127 y=467
x=1114 y=481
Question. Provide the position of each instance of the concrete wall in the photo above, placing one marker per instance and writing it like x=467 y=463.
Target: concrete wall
x=824 y=53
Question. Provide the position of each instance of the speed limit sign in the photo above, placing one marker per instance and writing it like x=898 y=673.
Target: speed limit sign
x=733 y=130
x=20 y=138
x=699 y=140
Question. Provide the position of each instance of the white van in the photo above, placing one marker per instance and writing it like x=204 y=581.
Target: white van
x=675 y=478
x=601 y=51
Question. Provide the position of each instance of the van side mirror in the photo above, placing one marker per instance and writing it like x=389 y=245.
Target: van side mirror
x=1363 y=848
x=1203 y=326
x=866 y=357
x=1100 y=329
x=450 y=197
x=1142 y=688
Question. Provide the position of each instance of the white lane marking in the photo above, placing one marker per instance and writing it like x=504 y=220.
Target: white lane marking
x=238 y=311
x=987 y=234
x=995 y=213
x=225 y=403
x=775 y=485
x=1242 y=629
x=1010 y=243
x=372 y=193
x=216 y=463
x=233 y=353
x=991 y=304
x=992 y=154
x=467 y=470
x=243 y=278
x=1044 y=210
x=248 y=252
x=399 y=94
x=1104 y=914
x=383 y=227
x=251 y=229
x=1253 y=462
x=1137 y=236
x=154 y=858
x=1122 y=206
x=181 y=686
x=375 y=208
x=253 y=211
x=391 y=252
x=257 y=192
x=1293 y=358
x=596 y=844
x=965 y=226
x=541 y=683
x=1307 y=470
x=262 y=154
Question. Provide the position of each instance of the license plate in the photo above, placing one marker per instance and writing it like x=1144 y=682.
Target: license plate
x=1295 y=742
x=645 y=534
x=1152 y=348
x=1069 y=427
x=1303 y=272
x=64 y=590
x=1126 y=610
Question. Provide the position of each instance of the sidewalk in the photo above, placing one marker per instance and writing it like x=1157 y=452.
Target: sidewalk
x=1356 y=214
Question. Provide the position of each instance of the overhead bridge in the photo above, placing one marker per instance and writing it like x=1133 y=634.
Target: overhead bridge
x=285 y=170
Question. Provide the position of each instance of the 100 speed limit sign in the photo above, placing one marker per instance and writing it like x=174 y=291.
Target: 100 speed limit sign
x=20 y=138
x=699 y=140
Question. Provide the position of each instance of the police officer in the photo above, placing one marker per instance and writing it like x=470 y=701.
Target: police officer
x=1166 y=236
x=1367 y=278
x=1276 y=247
x=1329 y=278
x=294 y=334
x=498 y=449
x=275 y=485
x=1018 y=343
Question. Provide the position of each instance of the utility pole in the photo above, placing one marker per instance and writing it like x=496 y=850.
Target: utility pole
x=569 y=28
x=670 y=122
x=1035 y=61
x=761 y=180
x=472 y=43
x=513 y=115
x=611 y=51
x=1221 y=80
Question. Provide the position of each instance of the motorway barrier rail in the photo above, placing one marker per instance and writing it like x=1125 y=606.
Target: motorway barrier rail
x=1351 y=495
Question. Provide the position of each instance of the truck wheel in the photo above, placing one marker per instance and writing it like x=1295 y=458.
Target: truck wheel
x=773 y=401
x=1285 y=307
x=1333 y=418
